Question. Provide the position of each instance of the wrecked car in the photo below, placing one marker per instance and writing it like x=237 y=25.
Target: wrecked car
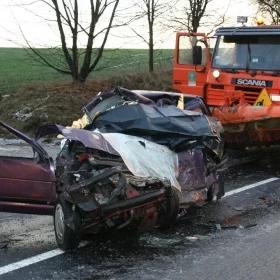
x=135 y=160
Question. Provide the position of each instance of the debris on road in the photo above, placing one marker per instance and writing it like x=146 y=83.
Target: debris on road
x=266 y=200
x=250 y=225
x=218 y=227
x=4 y=244
x=239 y=209
x=192 y=238
x=161 y=240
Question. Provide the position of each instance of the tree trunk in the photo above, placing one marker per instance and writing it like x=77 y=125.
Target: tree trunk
x=77 y=80
x=68 y=22
x=151 y=48
x=83 y=76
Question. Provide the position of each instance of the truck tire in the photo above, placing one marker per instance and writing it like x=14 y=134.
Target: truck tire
x=66 y=238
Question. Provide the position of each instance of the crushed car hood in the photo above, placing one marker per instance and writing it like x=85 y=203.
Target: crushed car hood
x=143 y=158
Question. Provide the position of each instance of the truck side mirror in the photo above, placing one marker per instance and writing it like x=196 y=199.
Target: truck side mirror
x=197 y=55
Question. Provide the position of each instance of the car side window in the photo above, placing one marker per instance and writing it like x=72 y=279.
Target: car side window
x=17 y=150
x=10 y=146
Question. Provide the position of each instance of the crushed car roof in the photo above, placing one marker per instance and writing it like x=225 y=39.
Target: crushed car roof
x=147 y=114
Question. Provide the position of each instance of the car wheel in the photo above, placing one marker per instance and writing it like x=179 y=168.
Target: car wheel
x=171 y=209
x=66 y=237
x=210 y=193
x=215 y=191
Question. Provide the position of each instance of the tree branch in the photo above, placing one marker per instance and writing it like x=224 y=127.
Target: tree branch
x=99 y=55
x=42 y=58
x=62 y=36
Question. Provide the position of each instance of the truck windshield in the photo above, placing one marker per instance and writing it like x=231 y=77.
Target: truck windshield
x=247 y=53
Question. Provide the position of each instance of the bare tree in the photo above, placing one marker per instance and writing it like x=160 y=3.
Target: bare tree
x=196 y=14
x=151 y=11
x=78 y=62
x=270 y=8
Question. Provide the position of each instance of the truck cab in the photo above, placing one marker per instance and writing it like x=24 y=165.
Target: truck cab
x=244 y=61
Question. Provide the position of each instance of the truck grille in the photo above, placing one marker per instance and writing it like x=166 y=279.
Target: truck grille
x=250 y=94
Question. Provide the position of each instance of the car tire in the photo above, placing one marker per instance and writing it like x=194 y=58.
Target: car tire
x=210 y=193
x=66 y=237
x=170 y=213
x=216 y=191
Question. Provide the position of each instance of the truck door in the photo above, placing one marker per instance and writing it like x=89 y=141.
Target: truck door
x=191 y=63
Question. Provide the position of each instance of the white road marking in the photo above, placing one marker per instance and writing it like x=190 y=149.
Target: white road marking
x=32 y=260
x=56 y=252
x=39 y=258
x=248 y=187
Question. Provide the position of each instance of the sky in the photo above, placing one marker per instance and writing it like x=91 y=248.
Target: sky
x=44 y=34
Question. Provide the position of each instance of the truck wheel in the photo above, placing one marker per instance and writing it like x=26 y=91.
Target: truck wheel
x=66 y=237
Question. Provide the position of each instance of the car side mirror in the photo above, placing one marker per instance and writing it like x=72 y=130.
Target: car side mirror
x=197 y=55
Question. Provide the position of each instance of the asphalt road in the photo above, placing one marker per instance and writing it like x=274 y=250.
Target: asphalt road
x=235 y=238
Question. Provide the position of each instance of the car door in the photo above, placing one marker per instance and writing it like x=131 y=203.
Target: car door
x=27 y=182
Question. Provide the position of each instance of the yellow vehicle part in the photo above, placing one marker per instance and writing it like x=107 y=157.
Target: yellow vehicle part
x=263 y=99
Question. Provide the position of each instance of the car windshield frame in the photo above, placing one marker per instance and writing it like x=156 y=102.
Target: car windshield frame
x=254 y=53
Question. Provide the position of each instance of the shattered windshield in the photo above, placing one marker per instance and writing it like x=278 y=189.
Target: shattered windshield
x=247 y=53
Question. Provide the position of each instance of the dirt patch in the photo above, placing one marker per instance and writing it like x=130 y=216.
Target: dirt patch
x=35 y=105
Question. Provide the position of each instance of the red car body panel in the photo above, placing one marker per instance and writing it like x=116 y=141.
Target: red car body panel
x=26 y=208
x=27 y=185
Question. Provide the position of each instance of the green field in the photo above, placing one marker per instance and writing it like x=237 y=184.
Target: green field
x=19 y=69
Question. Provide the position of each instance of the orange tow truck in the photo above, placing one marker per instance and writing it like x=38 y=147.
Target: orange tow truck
x=239 y=79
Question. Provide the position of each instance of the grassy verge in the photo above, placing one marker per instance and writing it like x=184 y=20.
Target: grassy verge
x=32 y=94
x=32 y=106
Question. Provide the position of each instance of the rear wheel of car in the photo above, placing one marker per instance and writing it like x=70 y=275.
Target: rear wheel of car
x=66 y=237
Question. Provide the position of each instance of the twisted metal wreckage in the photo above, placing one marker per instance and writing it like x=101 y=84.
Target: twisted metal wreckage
x=138 y=160
x=139 y=157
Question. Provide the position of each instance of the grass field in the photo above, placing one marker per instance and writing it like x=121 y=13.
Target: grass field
x=19 y=69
